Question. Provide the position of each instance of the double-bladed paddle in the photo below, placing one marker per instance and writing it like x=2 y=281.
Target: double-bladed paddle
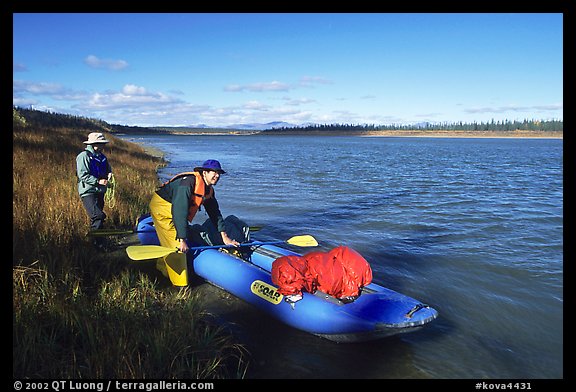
x=145 y=252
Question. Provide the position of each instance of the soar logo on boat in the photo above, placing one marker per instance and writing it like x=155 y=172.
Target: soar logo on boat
x=266 y=291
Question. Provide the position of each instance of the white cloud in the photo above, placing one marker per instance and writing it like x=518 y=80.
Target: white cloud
x=514 y=108
x=233 y=88
x=255 y=105
x=131 y=89
x=130 y=96
x=258 y=87
x=136 y=105
x=21 y=89
x=42 y=88
x=305 y=81
x=19 y=67
x=309 y=81
x=114 y=65
x=298 y=101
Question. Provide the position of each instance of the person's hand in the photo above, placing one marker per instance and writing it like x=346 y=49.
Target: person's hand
x=183 y=247
x=227 y=240
x=103 y=181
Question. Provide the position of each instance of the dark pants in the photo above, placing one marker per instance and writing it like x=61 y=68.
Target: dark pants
x=207 y=234
x=94 y=205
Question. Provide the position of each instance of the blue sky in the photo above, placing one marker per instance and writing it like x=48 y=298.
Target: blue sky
x=151 y=69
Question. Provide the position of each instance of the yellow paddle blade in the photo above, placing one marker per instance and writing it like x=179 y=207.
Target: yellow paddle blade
x=302 y=240
x=177 y=268
x=146 y=252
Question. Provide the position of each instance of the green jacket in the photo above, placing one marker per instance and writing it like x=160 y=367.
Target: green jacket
x=178 y=193
x=88 y=183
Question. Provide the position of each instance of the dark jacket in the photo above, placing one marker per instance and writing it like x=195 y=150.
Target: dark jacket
x=178 y=193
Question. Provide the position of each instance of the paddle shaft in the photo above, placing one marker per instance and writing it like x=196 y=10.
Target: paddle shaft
x=254 y=243
x=109 y=232
x=299 y=240
x=147 y=252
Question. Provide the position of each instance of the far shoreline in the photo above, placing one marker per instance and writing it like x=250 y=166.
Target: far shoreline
x=518 y=134
x=474 y=134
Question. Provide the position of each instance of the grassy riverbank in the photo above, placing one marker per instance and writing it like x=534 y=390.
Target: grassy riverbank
x=80 y=313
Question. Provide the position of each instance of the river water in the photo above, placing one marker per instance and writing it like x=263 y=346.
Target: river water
x=472 y=227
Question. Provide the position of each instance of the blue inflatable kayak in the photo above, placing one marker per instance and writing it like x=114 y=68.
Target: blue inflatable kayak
x=378 y=312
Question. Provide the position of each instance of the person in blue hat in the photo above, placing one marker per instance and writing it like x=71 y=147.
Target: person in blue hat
x=175 y=204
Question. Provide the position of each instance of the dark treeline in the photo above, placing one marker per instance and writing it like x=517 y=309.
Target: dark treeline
x=497 y=126
x=35 y=117
x=134 y=129
x=58 y=120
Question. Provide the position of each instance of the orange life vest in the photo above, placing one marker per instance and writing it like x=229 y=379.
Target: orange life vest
x=197 y=197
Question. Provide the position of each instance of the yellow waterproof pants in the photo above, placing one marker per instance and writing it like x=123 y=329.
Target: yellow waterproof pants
x=174 y=265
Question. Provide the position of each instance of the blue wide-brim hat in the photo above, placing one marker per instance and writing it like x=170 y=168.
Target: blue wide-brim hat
x=210 y=164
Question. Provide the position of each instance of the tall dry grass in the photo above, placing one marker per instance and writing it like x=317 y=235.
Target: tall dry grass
x=47 y=211
x=79 y=313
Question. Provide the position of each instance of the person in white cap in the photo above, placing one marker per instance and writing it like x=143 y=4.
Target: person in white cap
x=93 y=171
